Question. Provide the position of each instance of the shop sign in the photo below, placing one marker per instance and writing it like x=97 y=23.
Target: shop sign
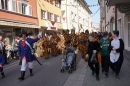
x=18 y=24
x=51 y=25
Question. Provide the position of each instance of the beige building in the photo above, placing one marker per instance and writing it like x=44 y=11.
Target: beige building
x=49 y=14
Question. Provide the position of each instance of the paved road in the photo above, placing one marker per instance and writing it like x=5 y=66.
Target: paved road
x=46 y=75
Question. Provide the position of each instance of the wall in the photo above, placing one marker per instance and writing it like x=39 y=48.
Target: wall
x=17 y=16
x=110 y=14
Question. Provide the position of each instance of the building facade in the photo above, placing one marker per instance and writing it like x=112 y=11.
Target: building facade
x=49 y=14
x=17 y=14
x=118 y=17
x=75 y=15
x=107 y=16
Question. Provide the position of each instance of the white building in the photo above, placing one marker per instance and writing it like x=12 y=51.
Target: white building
x=75 y=15
x=117 y=17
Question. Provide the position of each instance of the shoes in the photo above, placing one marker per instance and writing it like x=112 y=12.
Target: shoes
x=105 y=75
x=93 y=73
x=117 y=77
x=97 y=77
x=3 y=75
x=22 y=75
x=31 y=72
x=103 y=71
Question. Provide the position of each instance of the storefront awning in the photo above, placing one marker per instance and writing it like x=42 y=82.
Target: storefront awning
x=114 y=2
x=17 y=24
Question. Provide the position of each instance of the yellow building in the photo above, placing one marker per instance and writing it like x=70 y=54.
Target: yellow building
x=49 y=14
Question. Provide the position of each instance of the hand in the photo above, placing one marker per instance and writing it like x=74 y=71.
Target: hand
x=114 y=52
x=94 y=51
x=114 y=49
x=108 y=45
x=0 y=65
x=87 y=57
x=100 y=46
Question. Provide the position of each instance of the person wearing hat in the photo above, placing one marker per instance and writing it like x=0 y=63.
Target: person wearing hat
x=105 y=57
x=93 y=48
x=116 y=53
x=24 y=50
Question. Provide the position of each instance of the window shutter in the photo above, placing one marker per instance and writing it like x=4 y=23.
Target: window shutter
x=0 y=4
x=14 y=5
x=55 y=18
x=48 y=15
x=19 y=7
x=59 y=3
x=41 y=13
x=30 y=10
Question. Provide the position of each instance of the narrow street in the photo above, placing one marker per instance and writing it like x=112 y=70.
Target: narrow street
x=46 y=75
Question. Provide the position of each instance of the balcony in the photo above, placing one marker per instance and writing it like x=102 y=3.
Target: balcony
x=114 y=2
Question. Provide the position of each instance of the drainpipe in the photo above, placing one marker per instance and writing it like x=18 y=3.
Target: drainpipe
x=115 y=17
x=105 y=13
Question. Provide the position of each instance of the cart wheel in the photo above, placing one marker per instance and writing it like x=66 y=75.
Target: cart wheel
x=75 y=67
x=70 y=71
x=61 y=70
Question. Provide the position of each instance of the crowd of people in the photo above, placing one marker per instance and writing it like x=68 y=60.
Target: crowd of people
x=107 y=48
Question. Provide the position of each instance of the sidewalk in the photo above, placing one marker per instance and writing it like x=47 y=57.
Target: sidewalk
x=77 y=77
x=83 y=77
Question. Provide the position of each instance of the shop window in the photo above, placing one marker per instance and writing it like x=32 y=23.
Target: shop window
x=7 y=35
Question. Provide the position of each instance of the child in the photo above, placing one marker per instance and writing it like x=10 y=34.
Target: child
x=2 y=61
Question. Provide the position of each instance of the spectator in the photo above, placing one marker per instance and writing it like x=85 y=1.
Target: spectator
x=104 y=44
x=2 y=61
x=116 y=54
x=93 y=47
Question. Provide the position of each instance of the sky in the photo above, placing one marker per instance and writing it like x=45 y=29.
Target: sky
x=96 y=17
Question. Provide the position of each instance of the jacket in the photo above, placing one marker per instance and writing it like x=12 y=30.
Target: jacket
x=25 y=51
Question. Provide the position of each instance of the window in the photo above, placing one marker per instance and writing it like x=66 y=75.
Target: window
x=72 y=16
x=58 y=19
x=24 y=8
x=14 y=5
x=4 y=4
x=51 y=17
x=80 y=20
x=75 y=18
x=57 y=3
x=75 y=2
x=51 y=1
x=43 y=14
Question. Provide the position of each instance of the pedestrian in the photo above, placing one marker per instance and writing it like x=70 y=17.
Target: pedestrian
x=2 y=61
x=105 y=57
x=25 y=53
x=93 y=48
x=116 y=55
x=2 y=49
